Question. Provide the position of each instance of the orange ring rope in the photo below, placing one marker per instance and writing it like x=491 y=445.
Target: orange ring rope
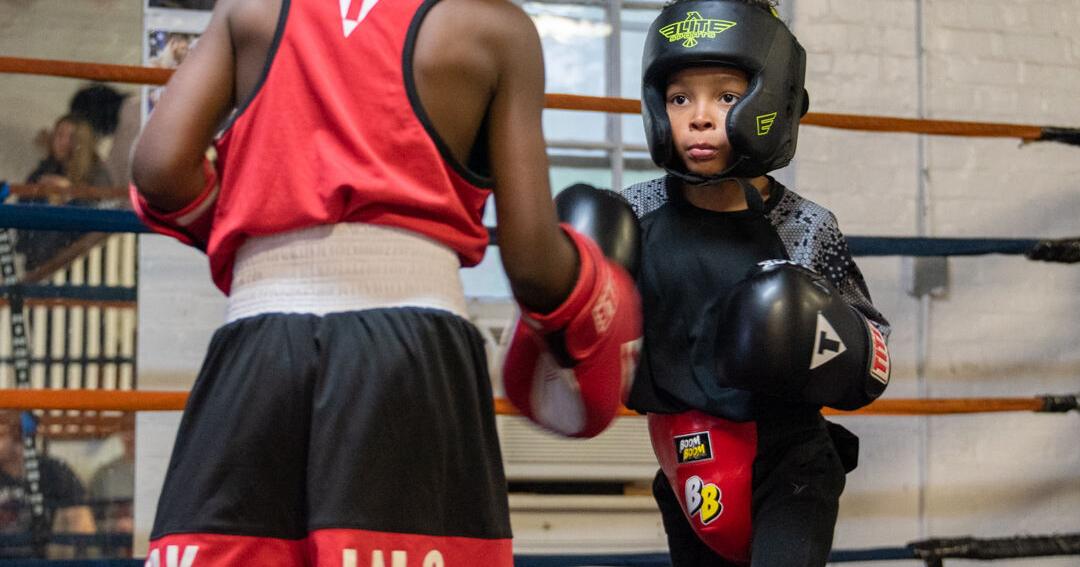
x=143 y=400
x=92 y=400
x=73 y=302
x=103 y=400
x=156 y=76
x=36 y=191
x=91 y=71
x=592 y=103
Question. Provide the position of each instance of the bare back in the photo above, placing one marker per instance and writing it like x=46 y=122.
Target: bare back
x=479 y=75
x=454 y=62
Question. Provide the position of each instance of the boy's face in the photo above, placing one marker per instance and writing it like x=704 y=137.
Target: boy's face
x=698 y=100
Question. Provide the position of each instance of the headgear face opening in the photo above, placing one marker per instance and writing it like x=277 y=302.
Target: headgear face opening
x=763 y=126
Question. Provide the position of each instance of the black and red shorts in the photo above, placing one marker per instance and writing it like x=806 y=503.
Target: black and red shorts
x=351 y=439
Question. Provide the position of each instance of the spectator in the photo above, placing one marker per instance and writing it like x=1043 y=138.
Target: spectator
x=112 y=488
x=99 y=105
x=72 y=158
x=63 y=495
x=111 y=114
x=72 y=161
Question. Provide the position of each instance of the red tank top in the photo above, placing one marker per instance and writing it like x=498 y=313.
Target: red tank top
x=335 y=133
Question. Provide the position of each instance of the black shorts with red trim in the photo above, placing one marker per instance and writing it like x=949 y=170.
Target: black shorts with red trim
x=349 y=439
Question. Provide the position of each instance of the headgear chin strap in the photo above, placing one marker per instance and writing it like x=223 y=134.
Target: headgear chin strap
x=763 y=127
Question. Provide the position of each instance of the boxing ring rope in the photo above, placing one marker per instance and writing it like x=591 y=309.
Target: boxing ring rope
x=38 y=191
x=78 y=219
x=147 y=400
x=1026 y=133
x=1065 y=250
x=931 y=551
x=81 y=295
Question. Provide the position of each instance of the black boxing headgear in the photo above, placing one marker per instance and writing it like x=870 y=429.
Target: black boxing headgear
x=763 y=126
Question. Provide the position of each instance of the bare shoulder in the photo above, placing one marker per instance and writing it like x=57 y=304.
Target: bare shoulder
x=497 y=23
x=251 y=18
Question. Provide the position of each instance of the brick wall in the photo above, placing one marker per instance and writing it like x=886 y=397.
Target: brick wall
x=1007 y=326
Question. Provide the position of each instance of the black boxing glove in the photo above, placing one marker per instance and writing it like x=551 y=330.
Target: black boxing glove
x=785 y=331
x=605 y=217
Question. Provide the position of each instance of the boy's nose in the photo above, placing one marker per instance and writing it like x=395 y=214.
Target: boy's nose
x=702 y=120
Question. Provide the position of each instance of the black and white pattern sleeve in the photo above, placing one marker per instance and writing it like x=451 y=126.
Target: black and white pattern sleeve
x=647 y=196
x=812 y=237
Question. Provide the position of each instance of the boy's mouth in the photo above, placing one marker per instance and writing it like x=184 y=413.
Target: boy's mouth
x=702 y=152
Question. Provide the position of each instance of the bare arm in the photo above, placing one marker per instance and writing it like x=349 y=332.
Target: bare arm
x=538 y=258
x=167 y=164
x=70 y=520
x=74 y=520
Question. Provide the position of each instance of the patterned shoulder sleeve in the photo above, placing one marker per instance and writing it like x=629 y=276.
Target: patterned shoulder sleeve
x=812 y=237
x=647 y=196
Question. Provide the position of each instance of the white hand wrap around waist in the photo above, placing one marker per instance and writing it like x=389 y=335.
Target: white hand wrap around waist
x=343 y=267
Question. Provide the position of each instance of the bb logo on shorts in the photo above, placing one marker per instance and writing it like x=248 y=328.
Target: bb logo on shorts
x=702 y=500
x=693 y=447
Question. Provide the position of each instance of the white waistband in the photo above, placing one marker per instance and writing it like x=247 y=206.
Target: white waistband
x=343 y=267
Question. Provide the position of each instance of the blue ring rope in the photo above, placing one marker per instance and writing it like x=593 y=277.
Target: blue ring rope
x=82 y=292
x=78 y=219
x=69 y=219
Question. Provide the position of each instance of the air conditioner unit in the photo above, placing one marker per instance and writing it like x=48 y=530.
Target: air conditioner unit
x=586 y=525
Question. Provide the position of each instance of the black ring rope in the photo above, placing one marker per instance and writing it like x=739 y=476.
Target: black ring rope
x=931 y=551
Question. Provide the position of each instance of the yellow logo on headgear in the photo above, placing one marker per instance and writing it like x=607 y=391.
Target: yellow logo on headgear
x=765 y=122
x=695 y=27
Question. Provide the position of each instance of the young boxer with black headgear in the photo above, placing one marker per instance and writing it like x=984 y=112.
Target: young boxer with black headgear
x=344 y=414
x=755 y=314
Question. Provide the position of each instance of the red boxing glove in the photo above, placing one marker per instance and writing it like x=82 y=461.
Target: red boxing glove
x=570 y=370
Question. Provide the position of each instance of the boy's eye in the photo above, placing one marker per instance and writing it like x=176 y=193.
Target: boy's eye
x=729 y=98
x=678 y=100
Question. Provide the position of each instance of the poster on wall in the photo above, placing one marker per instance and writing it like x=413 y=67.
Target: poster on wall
x=166 y=50
x=171 y=29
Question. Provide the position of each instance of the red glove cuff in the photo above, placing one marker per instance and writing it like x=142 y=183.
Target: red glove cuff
x=191 y=224
x=557 y=320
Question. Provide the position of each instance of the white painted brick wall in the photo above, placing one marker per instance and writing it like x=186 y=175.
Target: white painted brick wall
x=1008 y=326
